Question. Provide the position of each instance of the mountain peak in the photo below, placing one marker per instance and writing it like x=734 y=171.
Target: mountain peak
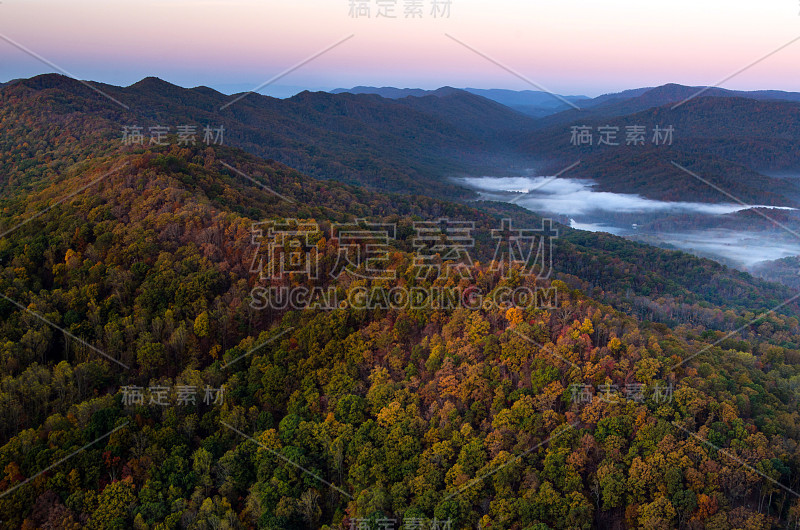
x=206 y=91
x=447 y=91
x=52 y=80
x=154 y=83
x=671 y=90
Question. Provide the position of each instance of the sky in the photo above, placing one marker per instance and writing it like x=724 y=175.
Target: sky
x=571 y=47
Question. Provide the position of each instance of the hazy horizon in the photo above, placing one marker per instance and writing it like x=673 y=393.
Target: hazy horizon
x=286 y=91
x=575 y=47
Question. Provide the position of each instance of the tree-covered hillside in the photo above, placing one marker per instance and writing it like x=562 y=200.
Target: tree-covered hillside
x=152 y=377
x=139 y=376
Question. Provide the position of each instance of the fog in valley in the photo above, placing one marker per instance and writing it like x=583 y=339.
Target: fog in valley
x=581 y=205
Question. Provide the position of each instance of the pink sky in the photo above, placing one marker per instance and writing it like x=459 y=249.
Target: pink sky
x=569 y=46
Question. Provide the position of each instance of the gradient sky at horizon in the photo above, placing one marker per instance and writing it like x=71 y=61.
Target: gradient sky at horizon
x=569 y=47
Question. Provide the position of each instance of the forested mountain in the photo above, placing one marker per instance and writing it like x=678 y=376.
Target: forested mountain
x=416 y=144
x=408 y=146
x=143 y=386
x=729 y=137
x=385 y=92
x=731 y=142
x=783 y=270
x=639 y=99
x=533 y=103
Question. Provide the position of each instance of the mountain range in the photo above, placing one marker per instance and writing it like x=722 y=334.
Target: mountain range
x=531 y=102
x=418 y=144
x=142 y=386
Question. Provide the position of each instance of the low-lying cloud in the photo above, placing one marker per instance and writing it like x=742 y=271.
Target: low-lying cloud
x=739 y=247
x=577 y=197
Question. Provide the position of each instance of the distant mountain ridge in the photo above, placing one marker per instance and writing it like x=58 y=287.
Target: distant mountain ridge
x=409 y=145
x=642 y=99
x=720 y=135
x=540 y=104
x=385 y=92
x=530 y=102
x=416 y=143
